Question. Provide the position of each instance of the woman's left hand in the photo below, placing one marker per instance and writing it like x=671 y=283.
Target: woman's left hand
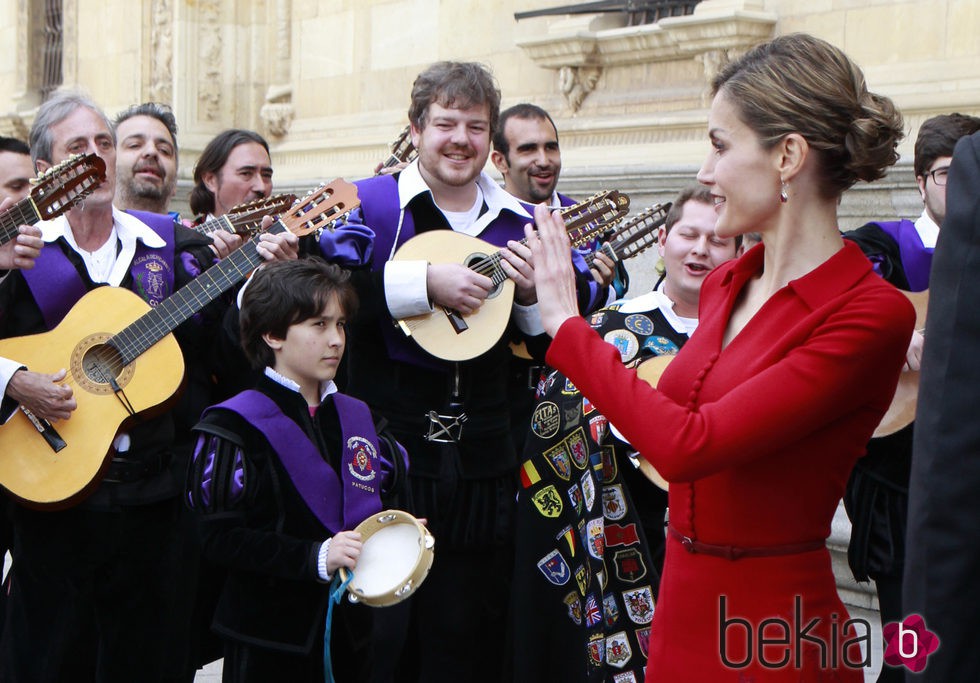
x=554 y=276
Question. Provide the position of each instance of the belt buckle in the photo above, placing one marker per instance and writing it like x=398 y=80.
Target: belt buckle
x=445 y=428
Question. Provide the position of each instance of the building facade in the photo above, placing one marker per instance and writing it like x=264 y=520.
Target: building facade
x=328 y=81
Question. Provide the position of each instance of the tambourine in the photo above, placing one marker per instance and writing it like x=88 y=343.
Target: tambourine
x=395 y=559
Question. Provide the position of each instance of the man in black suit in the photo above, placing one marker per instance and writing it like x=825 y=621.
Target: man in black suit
x=943 y=543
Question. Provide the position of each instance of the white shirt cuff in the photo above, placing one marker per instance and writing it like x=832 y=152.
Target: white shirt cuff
x=528 y=319
x=321 y=561
x=7 y=369
x=406 y=290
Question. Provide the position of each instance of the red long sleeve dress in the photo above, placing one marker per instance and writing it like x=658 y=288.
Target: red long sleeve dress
x=757 y=441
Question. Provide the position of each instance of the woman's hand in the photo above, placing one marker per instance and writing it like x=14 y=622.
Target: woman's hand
x=554 y=277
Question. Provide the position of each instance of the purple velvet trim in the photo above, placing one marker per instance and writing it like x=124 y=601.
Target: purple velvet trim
x=349 y=245
x=238 y=478
x=190 y=264
x=916 y=257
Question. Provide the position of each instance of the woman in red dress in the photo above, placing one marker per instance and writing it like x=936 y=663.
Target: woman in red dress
x=759 y=420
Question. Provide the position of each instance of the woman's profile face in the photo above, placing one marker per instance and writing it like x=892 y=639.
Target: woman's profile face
x=743 y=176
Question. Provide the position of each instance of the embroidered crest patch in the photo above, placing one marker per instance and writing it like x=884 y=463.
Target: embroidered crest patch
x=362 y=464
x=618 y=650
x=639 y=605
x=613 y=502
x=554 y=568
x=548 y=501
x=545 y=420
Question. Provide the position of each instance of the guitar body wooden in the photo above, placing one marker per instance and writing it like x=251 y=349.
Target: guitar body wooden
x=434 y=331
x=30 y=469
x=650 y=371
x=901 y=411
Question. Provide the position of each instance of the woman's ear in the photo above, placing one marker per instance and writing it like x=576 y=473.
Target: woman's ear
x=790 y=156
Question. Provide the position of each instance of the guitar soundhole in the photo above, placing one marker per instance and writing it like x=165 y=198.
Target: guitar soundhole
x=491 y=269
x=95 y=365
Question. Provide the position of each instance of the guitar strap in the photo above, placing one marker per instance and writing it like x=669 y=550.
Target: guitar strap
x=339 y=502
x=57 y=285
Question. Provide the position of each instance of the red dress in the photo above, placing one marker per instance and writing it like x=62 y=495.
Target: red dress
x=757 y=441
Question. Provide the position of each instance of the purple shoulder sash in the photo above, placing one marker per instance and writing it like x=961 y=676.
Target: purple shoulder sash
x=57 y=285
x=339 y=502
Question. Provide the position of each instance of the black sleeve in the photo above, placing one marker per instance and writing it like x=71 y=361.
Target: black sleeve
x=883 y=252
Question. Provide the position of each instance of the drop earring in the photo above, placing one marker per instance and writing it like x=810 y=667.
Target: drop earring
x=783 y=194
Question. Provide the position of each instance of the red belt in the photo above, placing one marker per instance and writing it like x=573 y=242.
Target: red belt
x=732 y=552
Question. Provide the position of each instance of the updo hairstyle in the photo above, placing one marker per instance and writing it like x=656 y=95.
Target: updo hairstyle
x=801 y=84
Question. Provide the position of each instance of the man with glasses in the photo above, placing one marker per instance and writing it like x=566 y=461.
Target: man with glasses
x=877 y=493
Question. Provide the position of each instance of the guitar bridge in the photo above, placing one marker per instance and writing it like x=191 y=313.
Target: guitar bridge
x=44 y=428
x=456 y=320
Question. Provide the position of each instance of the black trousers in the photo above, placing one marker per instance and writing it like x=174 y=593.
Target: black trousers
x=454 y=628
x=90 y=595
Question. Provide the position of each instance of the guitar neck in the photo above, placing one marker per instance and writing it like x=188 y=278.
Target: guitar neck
x=21 y=213
x=158 y=322
x=212 y=225
x=637 y=235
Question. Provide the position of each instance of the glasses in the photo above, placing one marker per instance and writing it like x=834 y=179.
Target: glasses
x=939 y=176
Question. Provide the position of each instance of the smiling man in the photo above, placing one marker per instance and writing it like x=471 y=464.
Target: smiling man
x=526 y=152
x=462 y=473
x=146 y=158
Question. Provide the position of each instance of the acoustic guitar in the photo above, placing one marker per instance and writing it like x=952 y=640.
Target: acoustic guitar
x=402 y=151
x=122 y=360
x=246 y=219
x=55 y=191
x=901 y=411
x=448 y=334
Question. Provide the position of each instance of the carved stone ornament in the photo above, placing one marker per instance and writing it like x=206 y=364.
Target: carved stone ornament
x=277 y=116
x=576 y=82
x=162 y=50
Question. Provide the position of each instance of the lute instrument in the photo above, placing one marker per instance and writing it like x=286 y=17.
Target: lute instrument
x=55 y=191
x=449 y=335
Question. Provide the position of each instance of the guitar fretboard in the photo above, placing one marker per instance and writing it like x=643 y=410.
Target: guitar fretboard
x=584 y=222
x=635 y=236
x=21 y=213
x=158 y=322
x=212 y=225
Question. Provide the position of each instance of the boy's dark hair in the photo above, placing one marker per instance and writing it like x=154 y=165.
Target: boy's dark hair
x=524 y=110
x=283 y=293
x=213 y=159
x=938 y=136
x=14 y=145
x=454 y=85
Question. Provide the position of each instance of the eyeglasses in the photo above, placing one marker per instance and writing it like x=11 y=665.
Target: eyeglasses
x=939 y=176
